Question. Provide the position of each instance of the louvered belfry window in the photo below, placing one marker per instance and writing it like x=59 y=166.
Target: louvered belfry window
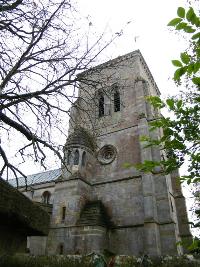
x=101 y=105
x=84 y=158
x=76 y=157
x=116 y=101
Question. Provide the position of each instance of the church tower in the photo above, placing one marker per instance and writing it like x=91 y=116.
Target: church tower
x=99 y=203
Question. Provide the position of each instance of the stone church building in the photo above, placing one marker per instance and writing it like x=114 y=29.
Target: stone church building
x=96 y=202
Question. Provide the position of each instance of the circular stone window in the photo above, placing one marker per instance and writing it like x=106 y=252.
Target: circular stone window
x=106 y=154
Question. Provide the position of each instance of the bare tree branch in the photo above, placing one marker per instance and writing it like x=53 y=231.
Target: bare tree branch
x=42 y=48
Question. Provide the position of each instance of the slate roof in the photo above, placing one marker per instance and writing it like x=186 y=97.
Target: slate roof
x=38 y=178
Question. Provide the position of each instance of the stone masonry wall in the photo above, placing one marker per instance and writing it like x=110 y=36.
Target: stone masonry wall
x=143 y=207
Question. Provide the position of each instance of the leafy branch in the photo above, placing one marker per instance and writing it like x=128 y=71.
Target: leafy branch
x=180 y=138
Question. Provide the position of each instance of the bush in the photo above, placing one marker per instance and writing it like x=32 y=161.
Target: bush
x=91 y=261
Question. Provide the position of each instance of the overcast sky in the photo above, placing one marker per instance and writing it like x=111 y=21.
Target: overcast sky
x=146 y=31
x=144 y=24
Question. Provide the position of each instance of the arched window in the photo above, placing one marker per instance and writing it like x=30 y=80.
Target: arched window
x=46 y=197
x=69 y=155
x=83 y=159
x=101 y=105
x=76 y=157
x=116 y=101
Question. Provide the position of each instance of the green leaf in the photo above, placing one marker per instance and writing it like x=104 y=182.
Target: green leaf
x=174 y=22
x=147 y=165
x=177 y=75
x=157 y=123
x=181 y=12
x=195 y=36
x=177 y=63
x=190 y=14
x=181 y=26
x=179 y=72
x=189 y=29
x=179 y=104
x=196 y=80
x=197 y=22
x=196 y=67
x=190 y=68
x=170 y=103
x=185 y=58
x=155 y=101
x=168 y=132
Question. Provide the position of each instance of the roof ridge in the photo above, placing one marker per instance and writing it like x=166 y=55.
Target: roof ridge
x=112 y=61
x=34 y=174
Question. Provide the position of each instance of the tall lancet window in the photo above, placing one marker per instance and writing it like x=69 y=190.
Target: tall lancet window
x=83 y=158
x=101 y=105
x=76 y=157
x=69 y=155
x=116 y=100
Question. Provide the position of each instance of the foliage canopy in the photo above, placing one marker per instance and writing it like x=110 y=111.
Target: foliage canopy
x=180 y=140
x=181 y=131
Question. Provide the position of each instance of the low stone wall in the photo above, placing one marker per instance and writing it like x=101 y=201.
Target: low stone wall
x=19 y=218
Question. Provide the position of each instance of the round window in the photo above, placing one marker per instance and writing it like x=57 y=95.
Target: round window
x=106 y=154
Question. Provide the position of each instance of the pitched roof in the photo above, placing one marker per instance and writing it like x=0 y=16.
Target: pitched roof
x=38 y=178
